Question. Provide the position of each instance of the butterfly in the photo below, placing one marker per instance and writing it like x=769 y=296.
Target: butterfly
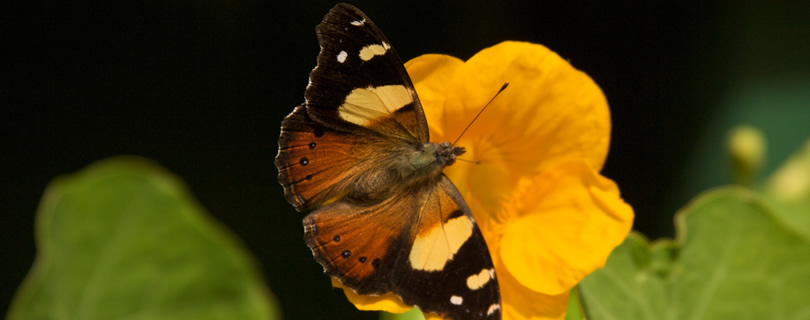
x=357 y=152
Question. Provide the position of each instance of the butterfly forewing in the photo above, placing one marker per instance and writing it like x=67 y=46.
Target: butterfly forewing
x=316 y=163
x=385 y=218
x=342 y=98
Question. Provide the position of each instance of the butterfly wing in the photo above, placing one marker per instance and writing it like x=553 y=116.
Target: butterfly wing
x=342 y=98
x=437 y=260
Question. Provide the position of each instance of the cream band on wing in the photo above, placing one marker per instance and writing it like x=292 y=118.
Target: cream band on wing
x=372 y=50
x=365 y=104
x=434 y=248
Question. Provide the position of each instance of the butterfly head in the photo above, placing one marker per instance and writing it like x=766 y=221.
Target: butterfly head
x=433 y=157
x=447 y=153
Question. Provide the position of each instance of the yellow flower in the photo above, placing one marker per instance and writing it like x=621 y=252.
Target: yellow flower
x=548 y=216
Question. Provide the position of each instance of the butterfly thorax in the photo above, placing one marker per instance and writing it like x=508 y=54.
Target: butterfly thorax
x=413 y=166
x=427 y=161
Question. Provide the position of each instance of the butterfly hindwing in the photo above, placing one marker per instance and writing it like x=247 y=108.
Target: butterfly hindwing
x=462 y=284
x=360 y=79
x=438 y=260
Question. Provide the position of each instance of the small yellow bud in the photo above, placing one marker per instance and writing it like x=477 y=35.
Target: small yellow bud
x=747 y=149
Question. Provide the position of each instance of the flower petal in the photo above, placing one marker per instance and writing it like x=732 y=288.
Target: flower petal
x=564 y=222
x=386 y=302
x=432 y=316
x=550 y=112
x=430 y=74
x=521 y=303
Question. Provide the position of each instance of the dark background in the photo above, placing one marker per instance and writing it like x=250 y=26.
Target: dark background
x=201 y=88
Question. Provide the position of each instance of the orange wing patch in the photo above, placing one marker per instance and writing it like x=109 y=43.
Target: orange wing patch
x=314 y=161
x=353 y=243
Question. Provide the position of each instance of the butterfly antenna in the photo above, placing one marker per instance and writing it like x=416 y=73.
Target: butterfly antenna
x=506 y=84
x=469 y=161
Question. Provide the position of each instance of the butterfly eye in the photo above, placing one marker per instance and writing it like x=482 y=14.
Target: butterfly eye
x=312 y=145
x=346 y=253
x=337 y=239
x=304 y=161
x=318 y=132
x=362 y=259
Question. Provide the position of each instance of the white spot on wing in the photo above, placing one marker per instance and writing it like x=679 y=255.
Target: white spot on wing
x=493 y=308
x=341 y=57
x=456 y=300
x=359 y=23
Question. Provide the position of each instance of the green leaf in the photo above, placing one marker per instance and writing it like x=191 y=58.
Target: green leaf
x=574 y=311
x=123 y=239
x=734 y=258
x=413 y=314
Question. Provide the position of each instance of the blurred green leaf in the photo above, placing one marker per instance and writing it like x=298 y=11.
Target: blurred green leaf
x=788 y=190
x=413 y=314
x=735 y=258
x=123 y=239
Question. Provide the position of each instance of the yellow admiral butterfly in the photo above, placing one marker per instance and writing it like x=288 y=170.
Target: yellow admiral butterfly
x=385 y=219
